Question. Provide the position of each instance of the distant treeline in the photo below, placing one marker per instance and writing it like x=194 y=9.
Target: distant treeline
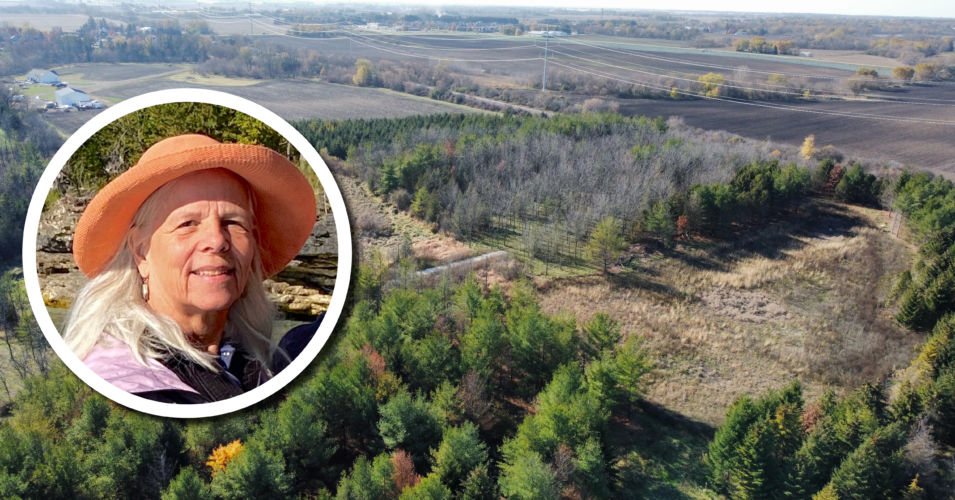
x=100 y=41
x=118 y=146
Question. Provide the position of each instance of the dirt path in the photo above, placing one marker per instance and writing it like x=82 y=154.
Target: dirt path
x=465 y=264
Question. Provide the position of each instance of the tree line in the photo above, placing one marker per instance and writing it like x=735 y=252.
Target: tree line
x=100 y=41
x=486 y=176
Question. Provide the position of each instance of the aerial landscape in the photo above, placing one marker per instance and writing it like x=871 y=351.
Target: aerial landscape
x=600 y=252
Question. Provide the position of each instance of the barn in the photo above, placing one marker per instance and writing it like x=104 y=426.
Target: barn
x=46 y=76
x=71 y=97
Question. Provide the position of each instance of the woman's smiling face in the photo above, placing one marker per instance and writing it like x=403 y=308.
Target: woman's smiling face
x=198 y=258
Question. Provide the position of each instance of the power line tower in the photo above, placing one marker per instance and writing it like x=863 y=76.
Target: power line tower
x=544 y=75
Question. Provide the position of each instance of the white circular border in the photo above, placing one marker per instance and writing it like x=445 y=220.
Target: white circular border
x=307 y=151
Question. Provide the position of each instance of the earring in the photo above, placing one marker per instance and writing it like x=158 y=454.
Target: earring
x=146 y=289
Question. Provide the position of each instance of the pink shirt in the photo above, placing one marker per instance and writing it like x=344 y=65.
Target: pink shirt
x=113 y=360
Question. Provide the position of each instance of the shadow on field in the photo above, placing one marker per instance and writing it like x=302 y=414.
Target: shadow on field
x=642 y=279
x=782 y=233
x=662 y=450
x=703 y=263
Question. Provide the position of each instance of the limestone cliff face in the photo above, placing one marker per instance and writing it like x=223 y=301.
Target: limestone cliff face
x=301 y=290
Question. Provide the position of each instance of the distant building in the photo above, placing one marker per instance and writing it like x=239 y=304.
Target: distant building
x=43 y=76
x=71 y=97
x=805 y=53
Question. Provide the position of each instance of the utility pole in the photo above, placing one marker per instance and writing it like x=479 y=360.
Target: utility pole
x=544 y=76
x=250 y=18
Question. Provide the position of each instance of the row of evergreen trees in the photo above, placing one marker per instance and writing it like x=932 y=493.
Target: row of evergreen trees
x=861 y=445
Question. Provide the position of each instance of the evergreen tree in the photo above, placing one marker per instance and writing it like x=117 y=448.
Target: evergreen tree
x=368 y=480
x=606 y=241
x=591 y=470
x=408 y=424
x=478 y=485
x=187 y=485
x=528 y=478
x=875 y=469
x=256 y=472
x=461 y=451
x=297 y=432
x=429 y=488
x=603 y=332
x=941 y=406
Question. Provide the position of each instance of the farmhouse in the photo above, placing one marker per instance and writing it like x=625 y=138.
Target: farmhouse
x=71 y=97
x=43 y=76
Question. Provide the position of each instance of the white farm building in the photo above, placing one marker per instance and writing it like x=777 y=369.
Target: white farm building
x=71 y=97
x=46 y=76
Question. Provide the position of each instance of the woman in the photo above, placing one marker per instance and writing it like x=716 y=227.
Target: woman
x=176 y=248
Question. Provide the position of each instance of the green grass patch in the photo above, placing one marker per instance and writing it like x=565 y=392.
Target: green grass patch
x=47 y=92
x=545 y=252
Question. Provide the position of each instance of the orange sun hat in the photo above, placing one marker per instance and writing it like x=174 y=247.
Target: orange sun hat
x=284 y=200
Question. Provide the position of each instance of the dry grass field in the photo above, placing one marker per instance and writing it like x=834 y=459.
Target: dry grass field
x=802 y=298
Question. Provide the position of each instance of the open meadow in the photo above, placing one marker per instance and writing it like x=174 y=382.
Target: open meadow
x=801 y=297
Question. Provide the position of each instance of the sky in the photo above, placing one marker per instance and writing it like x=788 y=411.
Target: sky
x=915 y=8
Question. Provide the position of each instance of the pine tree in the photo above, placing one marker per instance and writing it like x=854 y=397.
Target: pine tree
x=606 y=241
x=603 y=332
x=187 y=485
x=722 y=452
x=368 y=480
x=429 y=488
x=527 y=477
x=460 y=452
x=408 y=424
x=751 y=475
x=875 y=469
x=255 y=472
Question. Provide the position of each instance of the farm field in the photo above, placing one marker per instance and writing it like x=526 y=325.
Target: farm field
x=290 y=99
x=908 y=125
x=46 y=22
x=920 y=141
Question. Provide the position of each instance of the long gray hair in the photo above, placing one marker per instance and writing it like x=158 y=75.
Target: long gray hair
x=112 y=304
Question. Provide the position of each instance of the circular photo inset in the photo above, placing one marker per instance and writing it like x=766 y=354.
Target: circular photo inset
x=187 y=253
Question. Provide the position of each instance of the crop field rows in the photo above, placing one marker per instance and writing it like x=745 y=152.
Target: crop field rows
x=909 y=125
